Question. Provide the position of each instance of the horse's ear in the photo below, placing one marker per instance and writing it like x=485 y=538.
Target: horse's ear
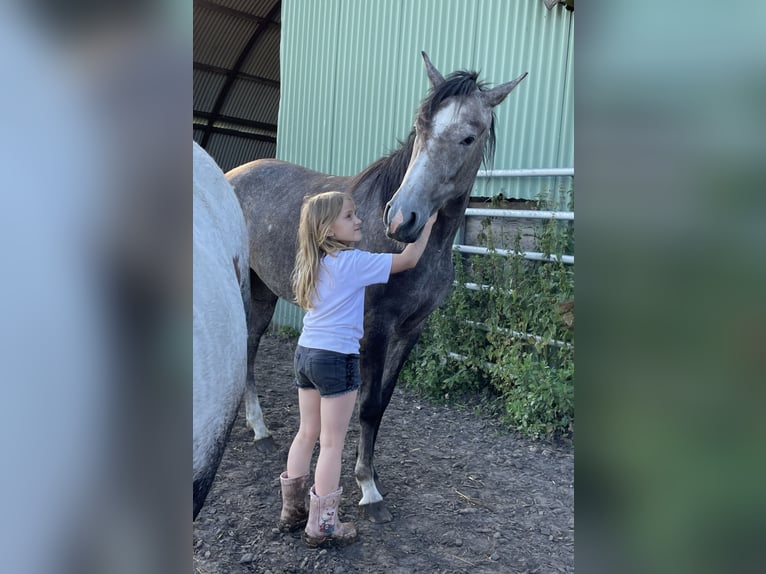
x=497 y=94
x=433 y=74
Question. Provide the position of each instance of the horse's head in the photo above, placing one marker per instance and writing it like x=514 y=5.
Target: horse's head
x=454 y=131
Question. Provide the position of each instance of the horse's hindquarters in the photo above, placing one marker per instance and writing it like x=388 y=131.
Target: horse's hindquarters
x=219 y=322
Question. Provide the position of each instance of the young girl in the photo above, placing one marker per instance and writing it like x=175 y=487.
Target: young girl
x=329 y=280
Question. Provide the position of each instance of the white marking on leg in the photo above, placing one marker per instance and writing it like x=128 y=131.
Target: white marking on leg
x=370 y=492
x=254 y=415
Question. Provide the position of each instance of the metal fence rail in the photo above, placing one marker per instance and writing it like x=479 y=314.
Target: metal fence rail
x=519 y=213
x=532 y=255
x=518 y=334
x=528 y=172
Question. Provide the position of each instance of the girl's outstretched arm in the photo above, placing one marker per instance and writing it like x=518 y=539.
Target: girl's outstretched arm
x=408 y=258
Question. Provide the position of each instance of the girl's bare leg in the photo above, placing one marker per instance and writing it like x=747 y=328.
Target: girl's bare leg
x=335 y=417
x=299 y=457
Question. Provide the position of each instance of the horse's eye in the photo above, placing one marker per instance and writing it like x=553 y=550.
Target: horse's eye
x=468 y=141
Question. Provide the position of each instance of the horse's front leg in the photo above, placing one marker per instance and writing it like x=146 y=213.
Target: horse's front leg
x=262 y=304
x=380 y=368
x=370 y=413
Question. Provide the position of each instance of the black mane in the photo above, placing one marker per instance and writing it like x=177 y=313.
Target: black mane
x=386 y=173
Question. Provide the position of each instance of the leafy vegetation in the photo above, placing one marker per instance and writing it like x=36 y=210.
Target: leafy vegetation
x=509 y=338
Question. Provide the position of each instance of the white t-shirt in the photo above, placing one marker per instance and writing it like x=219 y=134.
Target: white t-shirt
x=336 y=321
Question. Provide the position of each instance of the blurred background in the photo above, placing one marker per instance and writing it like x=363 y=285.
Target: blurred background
x=669 y=149
x=96 y=290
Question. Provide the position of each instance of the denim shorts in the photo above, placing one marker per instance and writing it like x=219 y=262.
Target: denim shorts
x=328 y=372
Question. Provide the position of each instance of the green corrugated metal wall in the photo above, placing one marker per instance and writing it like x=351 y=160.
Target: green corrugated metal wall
x=352 y=77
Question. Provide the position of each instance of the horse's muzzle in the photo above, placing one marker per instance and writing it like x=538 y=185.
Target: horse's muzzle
x=399 y=227
x=392 y=223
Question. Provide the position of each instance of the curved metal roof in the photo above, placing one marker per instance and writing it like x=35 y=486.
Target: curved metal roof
x=236 y=78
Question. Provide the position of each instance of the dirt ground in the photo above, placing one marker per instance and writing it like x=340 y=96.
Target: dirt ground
x=465 y=495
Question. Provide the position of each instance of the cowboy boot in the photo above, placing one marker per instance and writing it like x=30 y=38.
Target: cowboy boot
x=294 y=513
x=324 y=528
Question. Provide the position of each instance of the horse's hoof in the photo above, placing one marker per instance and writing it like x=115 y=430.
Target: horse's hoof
x=376 y=512
x=265 y=445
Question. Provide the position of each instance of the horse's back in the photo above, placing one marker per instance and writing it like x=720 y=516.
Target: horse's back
x=219 y=318
x=271 y=193
x=278 y=182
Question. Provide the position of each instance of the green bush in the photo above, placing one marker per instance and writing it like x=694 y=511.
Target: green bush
x=511 y=343
x=289 y=332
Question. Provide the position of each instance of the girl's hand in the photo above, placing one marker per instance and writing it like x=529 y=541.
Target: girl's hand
x=408 y=258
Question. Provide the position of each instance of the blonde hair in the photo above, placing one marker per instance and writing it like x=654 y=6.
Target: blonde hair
x=318 y=213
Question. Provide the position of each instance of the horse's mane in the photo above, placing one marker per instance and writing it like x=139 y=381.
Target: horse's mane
x=386 y=173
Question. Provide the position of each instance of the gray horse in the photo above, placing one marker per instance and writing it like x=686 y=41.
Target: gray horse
x=433 y=170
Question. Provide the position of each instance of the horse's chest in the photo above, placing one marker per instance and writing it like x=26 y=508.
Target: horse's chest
x=424 y=289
